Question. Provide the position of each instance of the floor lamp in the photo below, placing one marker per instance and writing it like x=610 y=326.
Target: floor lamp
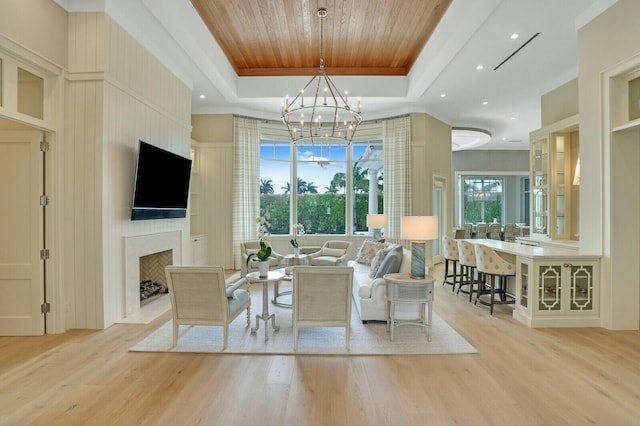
x=419 y=230
x=377 y=222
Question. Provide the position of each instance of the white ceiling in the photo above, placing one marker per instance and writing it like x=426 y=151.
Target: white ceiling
x=472 y=32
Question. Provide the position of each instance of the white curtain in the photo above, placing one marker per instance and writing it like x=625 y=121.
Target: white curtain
x=397 y=173
x=246 y=183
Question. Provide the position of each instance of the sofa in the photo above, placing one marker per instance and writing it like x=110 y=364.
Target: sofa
x=369 y=292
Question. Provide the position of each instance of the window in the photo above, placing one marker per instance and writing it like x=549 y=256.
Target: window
x=30 y=94
x=482 y=199
x=502 y=197
x=335 y=185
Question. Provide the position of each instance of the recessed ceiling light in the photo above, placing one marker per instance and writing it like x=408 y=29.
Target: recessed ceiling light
x=513 y=118
x=480 y=67
x=504 y=139
x=485 y=103
x=443 y=95
x=514 y=36
x=201 y=96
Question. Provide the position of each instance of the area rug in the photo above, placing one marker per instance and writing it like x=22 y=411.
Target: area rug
x=366 y=339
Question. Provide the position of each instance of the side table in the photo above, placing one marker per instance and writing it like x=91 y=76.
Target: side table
x=403 y=289
x=290 y=261
x=272 y=276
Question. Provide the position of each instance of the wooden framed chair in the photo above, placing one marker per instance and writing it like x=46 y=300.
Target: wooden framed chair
x=510 y=232
x=200 y=296
x=495 y=231
x=481 y=230
x=322 y=298
x=468 y=230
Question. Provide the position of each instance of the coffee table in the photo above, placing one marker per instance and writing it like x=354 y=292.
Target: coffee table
x=274 y=277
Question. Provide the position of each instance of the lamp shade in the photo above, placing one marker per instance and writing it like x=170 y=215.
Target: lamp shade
x=419 y=228
x=376 y=220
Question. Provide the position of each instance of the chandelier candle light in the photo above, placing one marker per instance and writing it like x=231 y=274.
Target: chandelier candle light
x=327 y=116
x=419 y=230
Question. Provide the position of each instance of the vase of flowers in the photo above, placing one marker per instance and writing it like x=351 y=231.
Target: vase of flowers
x=262 y=255
x=298 y=229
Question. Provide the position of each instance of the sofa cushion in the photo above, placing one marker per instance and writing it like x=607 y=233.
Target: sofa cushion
x=379 y=257
x=391 y=262
x=368 y=250
x=335 y=252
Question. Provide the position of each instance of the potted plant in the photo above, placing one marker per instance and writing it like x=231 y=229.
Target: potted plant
x=262 y=255
x=298 y=229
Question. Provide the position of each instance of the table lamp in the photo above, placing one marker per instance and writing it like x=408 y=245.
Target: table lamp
x=419 y=230
x=377 y=222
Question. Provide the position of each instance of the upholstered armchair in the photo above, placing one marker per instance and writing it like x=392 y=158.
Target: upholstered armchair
x=200 y=296
x=332 y=253
x=248 y=247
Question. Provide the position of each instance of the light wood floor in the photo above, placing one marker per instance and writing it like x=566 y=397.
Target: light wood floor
x=521 y=376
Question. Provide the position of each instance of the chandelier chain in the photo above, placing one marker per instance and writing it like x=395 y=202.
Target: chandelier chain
x=327 y=117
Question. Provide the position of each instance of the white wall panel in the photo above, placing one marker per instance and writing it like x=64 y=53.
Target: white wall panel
x=136 y=98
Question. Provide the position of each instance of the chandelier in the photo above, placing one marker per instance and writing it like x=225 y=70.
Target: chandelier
x=326 y=116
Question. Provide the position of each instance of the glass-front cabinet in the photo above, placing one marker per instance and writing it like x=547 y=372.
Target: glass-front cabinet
x=552 y=292
x=554 y=159
x=540 y=186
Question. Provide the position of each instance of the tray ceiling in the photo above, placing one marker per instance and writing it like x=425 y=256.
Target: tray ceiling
x=282 y=37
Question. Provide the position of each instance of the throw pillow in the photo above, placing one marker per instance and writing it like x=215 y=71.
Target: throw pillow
x=378 y=258
x=326 y=251
x=368 y=250
x=391 y=262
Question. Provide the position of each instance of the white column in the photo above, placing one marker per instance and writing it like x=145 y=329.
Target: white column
x=373 y=191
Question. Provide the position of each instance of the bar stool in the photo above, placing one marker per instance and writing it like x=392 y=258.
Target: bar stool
x=491 y=265
x=467 y=260
x=450 y=249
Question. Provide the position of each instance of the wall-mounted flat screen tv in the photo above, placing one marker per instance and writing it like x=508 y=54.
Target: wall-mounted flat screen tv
x=161 y=188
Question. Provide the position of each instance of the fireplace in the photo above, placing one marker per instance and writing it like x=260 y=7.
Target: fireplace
x=145 y=259
x=153 y=282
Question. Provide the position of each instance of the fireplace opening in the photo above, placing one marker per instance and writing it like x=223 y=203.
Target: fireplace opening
x=153 y=283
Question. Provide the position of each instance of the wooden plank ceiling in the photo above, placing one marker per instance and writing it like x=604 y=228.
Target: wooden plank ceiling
x=282 y=37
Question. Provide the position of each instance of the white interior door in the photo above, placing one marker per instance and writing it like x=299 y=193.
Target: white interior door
x=440 y=210
x=21 y=234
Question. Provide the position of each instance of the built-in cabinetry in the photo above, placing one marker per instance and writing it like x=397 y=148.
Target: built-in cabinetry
x=620 y=181
x=554 y=157
x=625 y=102
x=553 y=292
x=198 y=236
x=554 y=287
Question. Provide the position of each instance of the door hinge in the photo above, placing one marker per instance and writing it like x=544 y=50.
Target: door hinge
x=45 y=308
x=44 y=146
x=44 y=200
x=44 y=254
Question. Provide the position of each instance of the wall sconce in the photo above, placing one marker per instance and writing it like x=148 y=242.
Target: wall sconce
x=419 y=230
x=377 y=222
